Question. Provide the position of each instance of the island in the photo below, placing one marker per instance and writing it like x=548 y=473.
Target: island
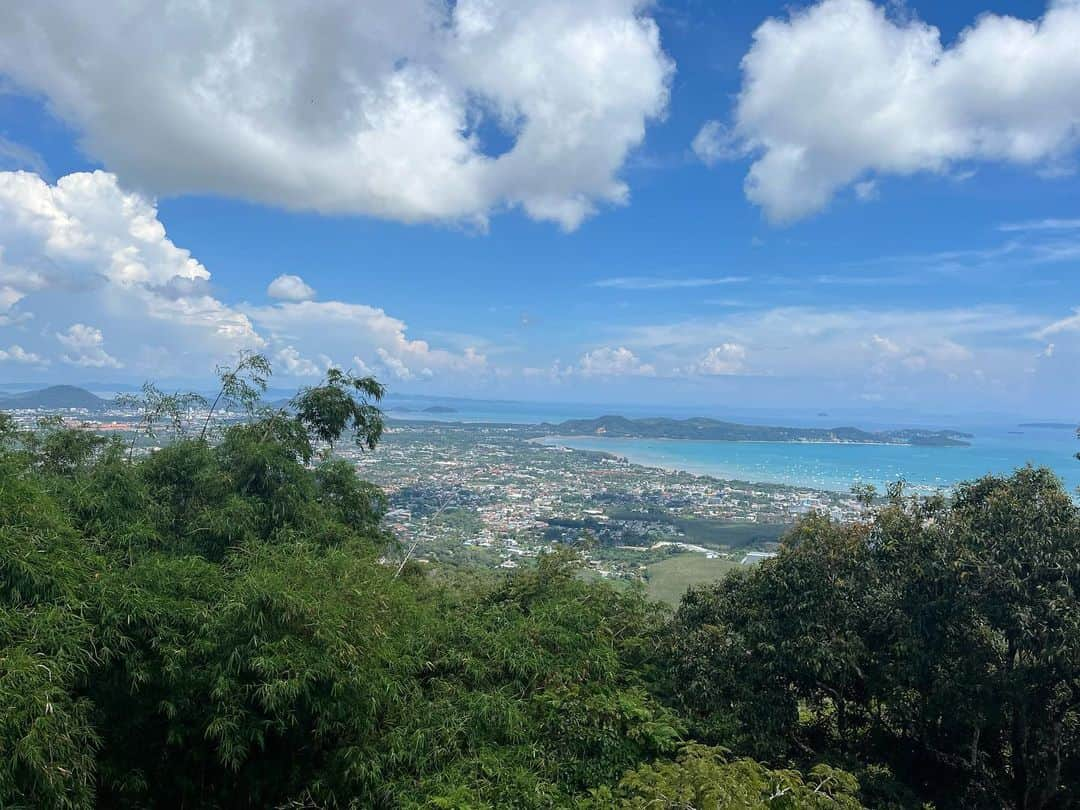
x=715 y=430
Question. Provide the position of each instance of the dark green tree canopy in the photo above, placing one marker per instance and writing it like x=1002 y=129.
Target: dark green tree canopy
x=221 y=622
x=342 y=401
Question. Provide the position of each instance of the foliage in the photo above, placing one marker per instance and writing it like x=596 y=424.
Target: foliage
x=216 y=623
x=209 y=625
x=156 y=407
x=941 y=637
x=709 y=779
x=342 y=401
x=47 y=739
x=242 y=386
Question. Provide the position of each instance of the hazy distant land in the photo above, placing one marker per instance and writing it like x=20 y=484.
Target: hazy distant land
x=715 y=430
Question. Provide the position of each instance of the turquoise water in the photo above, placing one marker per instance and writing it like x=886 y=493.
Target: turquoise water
x=838 y=466
x=1000 y=445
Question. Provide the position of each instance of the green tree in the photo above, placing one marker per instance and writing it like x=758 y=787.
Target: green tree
x=940 y=637
x=342 y=401
x=710 y=779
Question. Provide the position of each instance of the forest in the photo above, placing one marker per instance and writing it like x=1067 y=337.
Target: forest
x=223 y=622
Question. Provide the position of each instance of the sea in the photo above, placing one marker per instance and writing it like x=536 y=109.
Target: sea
x=999 y=444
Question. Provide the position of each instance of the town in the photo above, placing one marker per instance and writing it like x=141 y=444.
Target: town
x=488 y=495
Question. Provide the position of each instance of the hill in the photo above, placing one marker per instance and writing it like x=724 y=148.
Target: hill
x=715 y=430
x=55 y=397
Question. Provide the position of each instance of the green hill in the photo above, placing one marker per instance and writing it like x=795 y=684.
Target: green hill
x=55 y=397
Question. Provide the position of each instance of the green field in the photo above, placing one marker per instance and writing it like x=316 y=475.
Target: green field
x=668 y=579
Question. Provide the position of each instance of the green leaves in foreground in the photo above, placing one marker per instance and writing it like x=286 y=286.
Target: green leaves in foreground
x=711 y=779
x=213 y=625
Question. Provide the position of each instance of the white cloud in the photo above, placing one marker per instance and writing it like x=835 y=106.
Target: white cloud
x=17 y=354
x=292 y=363
x=86 y=347
x=727 y=358
x=397 y=367
x=844 y=89
x=1051 y=224
x=288 y=287
x=939 y=354
x=715 y=142
x=360 y=367
x=86 y=245
x=663 y=283
x=367 y=334
x=866 y=190
x=1070 y=323
x=385 y=109
x=884 y=345
x=614 y=362
x=17 y=156
x=890 y=346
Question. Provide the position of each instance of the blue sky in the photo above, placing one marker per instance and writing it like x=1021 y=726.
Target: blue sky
x=649 y=203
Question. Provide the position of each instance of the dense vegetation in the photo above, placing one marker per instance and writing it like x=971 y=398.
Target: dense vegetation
x=223 y=623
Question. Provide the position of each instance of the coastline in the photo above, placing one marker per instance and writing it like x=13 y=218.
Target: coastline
x=797 y=442
x=824 y=467
x=697 y=473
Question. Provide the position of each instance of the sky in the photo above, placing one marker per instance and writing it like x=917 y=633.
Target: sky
x=808 y=205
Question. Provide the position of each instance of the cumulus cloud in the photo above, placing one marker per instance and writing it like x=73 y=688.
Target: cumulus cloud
x=289 y=288
x=291 y=362
x=85 y=242
x=86 y=347
x=727 y=358
x=844 y=91
x=413 y=110
x=888 y=346
x=614 y=362
x=373 y=338
x=86 y=245
x=940 y=353
x=715 y=142
x=17 y=354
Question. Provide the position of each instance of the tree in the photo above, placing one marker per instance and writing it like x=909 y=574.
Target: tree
x=242 y=385
x=941 y=637
x=156 y=407
x=47 y=737
x=342 y=402
x=1019 y=563
x=710 y=779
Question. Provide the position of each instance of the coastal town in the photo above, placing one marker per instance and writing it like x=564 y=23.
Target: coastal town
x=494 y=496
x=491 y=495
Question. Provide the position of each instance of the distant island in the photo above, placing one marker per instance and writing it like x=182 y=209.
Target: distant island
x=714 y=430
x=429 y=409
x=1050 y=425
x=55 y=397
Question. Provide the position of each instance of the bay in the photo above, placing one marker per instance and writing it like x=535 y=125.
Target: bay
x=998 y=445
x=993 y=450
